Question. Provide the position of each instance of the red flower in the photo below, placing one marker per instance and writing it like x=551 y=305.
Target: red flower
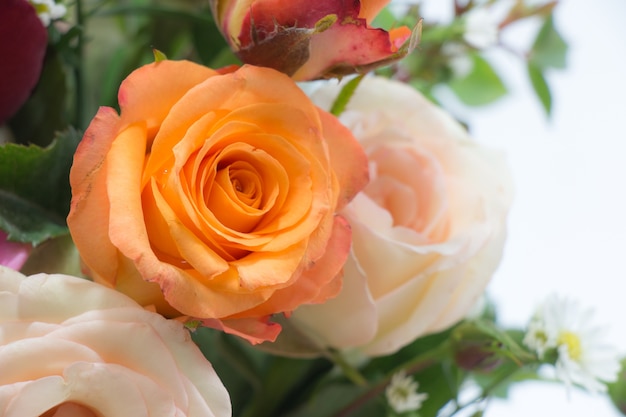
x=23 y=40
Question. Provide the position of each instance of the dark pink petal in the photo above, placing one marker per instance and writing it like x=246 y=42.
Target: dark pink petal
x=13 y=254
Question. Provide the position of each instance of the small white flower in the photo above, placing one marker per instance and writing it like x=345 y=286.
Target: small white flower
x=583 y=357
x=537 y=338
x=458 y=59
x=481 y=28
x=402 y=393
x=48 y=10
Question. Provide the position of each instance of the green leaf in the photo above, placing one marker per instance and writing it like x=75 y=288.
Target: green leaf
x=385 y=19
x=541 y=87
x=549 y=49
x=24 y=221
x=617 y=390
x=54 y=256
x=238 y=366
x=418 y=348
x=335 y=399
x=481 y=86
x=286 y=383
x=442 y=383
x=34 y=188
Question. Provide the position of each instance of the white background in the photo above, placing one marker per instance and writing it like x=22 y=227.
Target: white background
x=568 y=222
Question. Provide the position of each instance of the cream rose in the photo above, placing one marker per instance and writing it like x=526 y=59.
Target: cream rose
x=70 y=347
x=428 y=230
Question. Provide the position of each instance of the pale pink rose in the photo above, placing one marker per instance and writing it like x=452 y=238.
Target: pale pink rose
x=70 y=347
x=13 y=254
x=428 y=230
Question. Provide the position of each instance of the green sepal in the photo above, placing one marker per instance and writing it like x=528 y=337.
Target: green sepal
x=346 y=93
x=158 y=55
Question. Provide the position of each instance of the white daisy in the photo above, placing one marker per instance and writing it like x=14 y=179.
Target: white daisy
x=583 y=358
x=402 y=393
x=48 y=10
x=481 y=28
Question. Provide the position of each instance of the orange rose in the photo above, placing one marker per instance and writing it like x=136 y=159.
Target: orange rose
x=214 y=195
x=309 y=40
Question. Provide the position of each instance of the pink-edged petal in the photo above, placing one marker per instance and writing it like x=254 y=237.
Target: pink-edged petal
x=88 y=219
x=254 y=330
x=351 y=172
x=321 y=281
x=350 y=47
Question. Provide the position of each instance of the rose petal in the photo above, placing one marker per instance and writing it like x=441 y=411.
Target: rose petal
x=351 y=173
x=90 y=204
x=354 y=305
x=13 y=254
x=138 y=97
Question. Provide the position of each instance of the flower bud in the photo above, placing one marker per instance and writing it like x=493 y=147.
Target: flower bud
x=331 y=39
x=475 y=350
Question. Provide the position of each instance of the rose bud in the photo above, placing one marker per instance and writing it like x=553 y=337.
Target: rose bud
x=332 y=39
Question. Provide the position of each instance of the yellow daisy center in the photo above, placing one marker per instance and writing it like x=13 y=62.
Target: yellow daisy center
x=572 y=341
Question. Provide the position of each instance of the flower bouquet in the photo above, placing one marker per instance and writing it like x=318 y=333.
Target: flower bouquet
x=262 y=208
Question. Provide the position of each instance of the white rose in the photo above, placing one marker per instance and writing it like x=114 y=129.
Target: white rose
x=428 y=230
x=70 y=347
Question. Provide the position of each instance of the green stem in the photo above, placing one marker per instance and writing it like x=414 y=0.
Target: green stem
x=348 y=370
x=79 y=73
x=485 y=392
